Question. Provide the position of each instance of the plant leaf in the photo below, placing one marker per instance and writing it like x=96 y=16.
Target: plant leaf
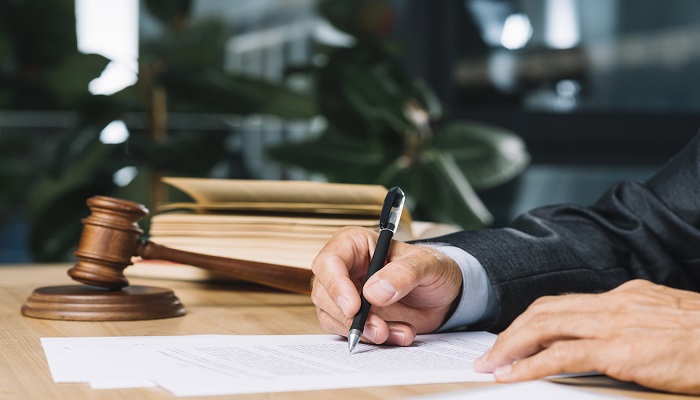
x=57 y=203
x=377 y=98
x=427 y=97
x=16 y=171
x=69 y=80
x=185 y=48
x=449 y=194
x=169 y=12
x=212 y=91
x=181 y=153
x=338 y=158
x=487 y=155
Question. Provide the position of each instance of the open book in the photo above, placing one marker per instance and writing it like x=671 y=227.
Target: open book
x=277 y=222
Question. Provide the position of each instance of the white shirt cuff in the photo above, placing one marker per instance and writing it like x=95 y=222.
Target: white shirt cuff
x=478 y=304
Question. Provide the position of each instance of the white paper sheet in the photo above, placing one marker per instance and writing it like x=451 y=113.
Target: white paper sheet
x=232 y=364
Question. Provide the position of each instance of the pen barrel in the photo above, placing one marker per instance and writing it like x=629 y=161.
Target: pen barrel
x=377 y=262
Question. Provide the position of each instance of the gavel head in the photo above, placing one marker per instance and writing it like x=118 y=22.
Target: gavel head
x=108 y=242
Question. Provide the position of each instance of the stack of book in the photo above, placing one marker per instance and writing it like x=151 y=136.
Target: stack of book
x=278 y=222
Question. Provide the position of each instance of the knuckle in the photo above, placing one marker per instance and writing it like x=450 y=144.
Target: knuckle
x=431 y=254
x=318 y=263
x=346 y=232
x=316 y=266
x=317 y=296
x=636 y=284
x=332 y=290
x=348 y=229
x=325 y=320
x=563 y=351
x=409 y=271
x=500 y=339
x=541 y=319
x=545 y=323
x=541 y=303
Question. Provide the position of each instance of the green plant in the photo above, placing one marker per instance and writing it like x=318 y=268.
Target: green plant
x=179 y=70
x=386 y=127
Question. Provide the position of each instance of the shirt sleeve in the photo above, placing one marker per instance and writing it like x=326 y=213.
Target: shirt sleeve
x=478 y=305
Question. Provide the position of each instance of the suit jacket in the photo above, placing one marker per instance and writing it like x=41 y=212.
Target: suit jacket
x=648 y=230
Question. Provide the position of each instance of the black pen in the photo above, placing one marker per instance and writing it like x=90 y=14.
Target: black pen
x=388 y=223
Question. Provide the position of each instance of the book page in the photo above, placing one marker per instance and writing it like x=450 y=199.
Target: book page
x=361 y=210
x=293 y=195
x=270 y=191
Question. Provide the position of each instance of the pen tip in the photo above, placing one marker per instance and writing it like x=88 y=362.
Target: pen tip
x=353 y=338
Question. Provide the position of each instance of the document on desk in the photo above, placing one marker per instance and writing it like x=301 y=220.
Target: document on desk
x=205 y=365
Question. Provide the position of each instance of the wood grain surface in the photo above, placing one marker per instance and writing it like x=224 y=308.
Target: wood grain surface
x=212 y=308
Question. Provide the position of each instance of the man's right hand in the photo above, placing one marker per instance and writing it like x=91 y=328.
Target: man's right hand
x=412 y=294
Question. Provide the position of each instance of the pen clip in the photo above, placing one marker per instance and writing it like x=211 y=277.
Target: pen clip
x=391 y=210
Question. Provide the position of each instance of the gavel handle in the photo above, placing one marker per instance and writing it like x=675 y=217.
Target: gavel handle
x=292 y=279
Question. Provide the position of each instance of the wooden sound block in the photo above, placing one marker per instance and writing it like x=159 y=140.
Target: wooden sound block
x=89 y=303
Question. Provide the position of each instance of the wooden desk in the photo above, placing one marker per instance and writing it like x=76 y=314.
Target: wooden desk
x=213 y=308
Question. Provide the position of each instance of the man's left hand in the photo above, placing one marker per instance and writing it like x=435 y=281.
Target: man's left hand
x=639 y=332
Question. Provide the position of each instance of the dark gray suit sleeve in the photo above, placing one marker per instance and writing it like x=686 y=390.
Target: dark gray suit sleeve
x=648 y=230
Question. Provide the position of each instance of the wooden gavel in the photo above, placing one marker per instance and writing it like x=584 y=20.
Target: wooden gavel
x=111 y=237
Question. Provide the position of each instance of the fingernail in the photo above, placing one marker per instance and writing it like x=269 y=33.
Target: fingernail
x=382 y=290
x=370 y=332
x=397 y=337
x=342 y=302
x=503 y=372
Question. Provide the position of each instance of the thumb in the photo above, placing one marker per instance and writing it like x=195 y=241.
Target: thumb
x=393 y=282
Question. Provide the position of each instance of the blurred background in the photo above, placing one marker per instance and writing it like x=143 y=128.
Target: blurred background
x=478 y=109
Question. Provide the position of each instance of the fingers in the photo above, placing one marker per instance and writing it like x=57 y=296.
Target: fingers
x=333 y=320
x=628 y=300
x=393 y=333
x=345 y=254
x=400 y=334
x=561 y=322
x=376 y=330
x=330 y=323
x=413 y=292
x=333 y=315
x=627 y=333
x=541 y=332
x=339 y=268
x=562 y=357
